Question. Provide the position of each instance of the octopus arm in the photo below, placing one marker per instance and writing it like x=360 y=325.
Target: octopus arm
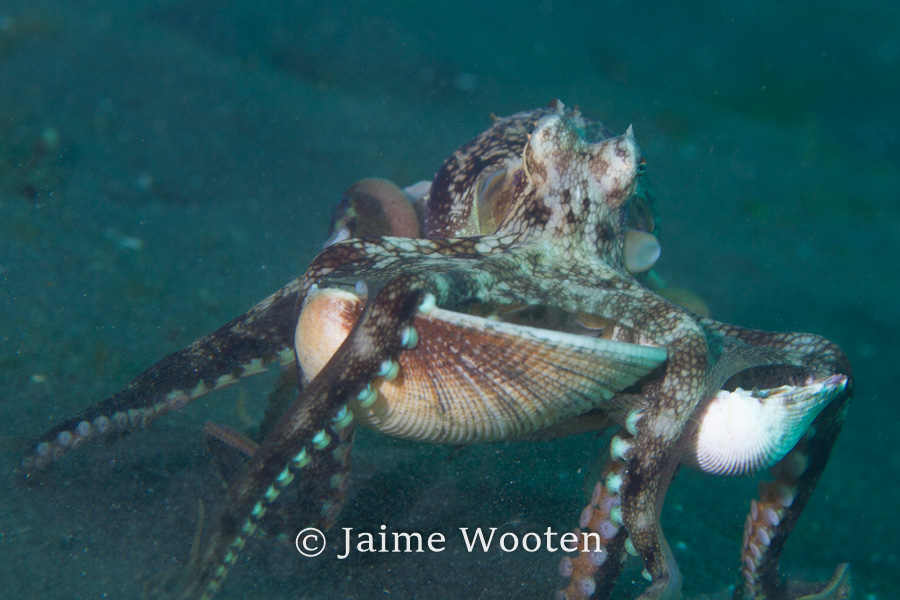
x=231 y=451
x=241 y=348
x=772 y=518
x=799 y=419
x=473 y=379
x=298 y=446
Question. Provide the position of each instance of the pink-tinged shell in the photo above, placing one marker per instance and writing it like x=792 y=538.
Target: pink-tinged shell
x=380 y=208
x=472 y=379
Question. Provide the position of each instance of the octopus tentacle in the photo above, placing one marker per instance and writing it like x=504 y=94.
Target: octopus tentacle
x=292 y=448
x=471 y=379
x=653 y=455
x=241 y=348
x=773 y=517
x=593 y=571
x=542 y=224
x=232 y=451
x=662 y=432
x=380 y=259
x=793 y=473
x=816 y=354
x=803 y=357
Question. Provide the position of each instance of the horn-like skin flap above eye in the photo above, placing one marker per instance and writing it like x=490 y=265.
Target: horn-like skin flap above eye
x=472 y=379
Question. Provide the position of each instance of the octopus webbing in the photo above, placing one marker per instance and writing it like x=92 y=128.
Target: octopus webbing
x=512 y=295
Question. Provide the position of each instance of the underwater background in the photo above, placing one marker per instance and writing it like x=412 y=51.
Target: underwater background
x=165 y=165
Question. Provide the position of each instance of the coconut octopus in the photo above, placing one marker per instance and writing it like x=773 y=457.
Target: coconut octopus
x=512 y=295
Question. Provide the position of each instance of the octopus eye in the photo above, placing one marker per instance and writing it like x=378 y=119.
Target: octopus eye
x=489 y=200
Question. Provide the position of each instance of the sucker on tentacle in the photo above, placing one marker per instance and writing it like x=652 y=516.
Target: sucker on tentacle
x=773 y=517
x=444 y=379
x=239 y=349
x=307 y=428
x=593 y=571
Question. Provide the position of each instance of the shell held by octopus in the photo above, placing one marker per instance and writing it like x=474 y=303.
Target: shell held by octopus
x=475 y=379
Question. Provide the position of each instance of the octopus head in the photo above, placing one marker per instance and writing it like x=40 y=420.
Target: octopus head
x=588 y=186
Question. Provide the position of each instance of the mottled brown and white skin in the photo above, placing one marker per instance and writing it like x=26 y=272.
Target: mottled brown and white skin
x=511 y=296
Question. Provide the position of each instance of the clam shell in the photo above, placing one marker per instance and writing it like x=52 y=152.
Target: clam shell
x=475 y=379
x=745 y=431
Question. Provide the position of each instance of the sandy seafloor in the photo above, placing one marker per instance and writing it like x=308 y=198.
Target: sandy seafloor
x=165 y=165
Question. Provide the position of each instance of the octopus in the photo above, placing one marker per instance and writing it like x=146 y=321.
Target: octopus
x=511 y=296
